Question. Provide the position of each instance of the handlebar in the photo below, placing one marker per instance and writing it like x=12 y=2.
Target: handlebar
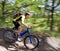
x=29 y=28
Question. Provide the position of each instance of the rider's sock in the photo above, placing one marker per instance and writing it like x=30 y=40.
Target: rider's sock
x=19 y=38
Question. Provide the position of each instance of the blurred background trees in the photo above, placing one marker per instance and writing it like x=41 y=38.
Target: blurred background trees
x=45 y=14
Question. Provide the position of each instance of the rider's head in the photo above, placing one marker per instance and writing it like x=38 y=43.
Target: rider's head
x=27 y=15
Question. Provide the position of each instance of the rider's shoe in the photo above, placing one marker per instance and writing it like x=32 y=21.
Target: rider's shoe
x=20 y=38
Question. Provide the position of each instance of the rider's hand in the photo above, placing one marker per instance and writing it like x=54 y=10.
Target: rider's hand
x=29 y=26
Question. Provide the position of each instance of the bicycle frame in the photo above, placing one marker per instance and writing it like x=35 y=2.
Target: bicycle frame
x=26 y=31
x=23 y=33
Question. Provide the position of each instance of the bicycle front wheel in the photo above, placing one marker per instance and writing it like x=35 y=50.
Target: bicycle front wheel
x=31 y=42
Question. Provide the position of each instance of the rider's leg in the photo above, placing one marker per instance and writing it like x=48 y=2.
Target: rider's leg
x=18 y=27
x=19 y=30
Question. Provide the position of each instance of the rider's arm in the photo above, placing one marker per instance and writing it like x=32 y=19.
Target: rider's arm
x=23 y=22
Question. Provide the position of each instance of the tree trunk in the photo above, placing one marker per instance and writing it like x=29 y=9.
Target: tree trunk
x=52 y=18
x=3 y=8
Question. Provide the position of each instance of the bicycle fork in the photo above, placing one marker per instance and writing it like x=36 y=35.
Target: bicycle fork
x=30 y=38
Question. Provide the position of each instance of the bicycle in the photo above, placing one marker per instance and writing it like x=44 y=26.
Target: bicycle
x=10 y=36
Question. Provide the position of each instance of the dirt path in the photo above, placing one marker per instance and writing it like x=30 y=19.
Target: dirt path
x=47 y=44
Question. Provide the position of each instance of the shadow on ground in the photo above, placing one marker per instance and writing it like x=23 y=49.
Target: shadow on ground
x=43 y=45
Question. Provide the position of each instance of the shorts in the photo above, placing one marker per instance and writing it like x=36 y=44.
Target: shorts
x=16 y=24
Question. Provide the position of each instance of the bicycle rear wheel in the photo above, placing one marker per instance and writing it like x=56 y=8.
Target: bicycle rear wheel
x=31 y=42
x=9 y=36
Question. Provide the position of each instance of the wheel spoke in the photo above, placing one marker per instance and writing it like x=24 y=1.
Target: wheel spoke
x=31 y=42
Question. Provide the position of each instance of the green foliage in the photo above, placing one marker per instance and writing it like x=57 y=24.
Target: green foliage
x=38 y=22
x=6 y=22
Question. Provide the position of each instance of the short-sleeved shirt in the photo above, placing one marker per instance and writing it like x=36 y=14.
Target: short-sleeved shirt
x=17 y=21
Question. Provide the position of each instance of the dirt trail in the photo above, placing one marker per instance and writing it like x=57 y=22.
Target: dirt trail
x=47 y=44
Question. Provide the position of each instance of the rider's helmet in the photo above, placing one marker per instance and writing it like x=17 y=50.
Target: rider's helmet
x=27 y=13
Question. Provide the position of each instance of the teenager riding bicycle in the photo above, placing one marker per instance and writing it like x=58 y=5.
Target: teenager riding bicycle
x=20 y=18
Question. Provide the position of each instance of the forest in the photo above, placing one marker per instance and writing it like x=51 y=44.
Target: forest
x=45 y=14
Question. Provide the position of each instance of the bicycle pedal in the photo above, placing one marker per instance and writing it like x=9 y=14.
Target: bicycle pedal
x=20 y=39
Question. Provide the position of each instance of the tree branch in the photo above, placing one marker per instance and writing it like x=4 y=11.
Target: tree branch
x=57 y=4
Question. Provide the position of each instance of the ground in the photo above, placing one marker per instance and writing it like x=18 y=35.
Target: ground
x=47 y=44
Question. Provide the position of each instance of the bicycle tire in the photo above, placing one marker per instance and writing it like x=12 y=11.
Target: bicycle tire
x=35 y=41
x=9 y=36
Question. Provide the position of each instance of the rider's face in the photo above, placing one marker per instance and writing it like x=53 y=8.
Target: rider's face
x=27 y=16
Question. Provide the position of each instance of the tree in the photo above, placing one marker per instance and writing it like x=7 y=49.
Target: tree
x=53 y=6
x=3 y=7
